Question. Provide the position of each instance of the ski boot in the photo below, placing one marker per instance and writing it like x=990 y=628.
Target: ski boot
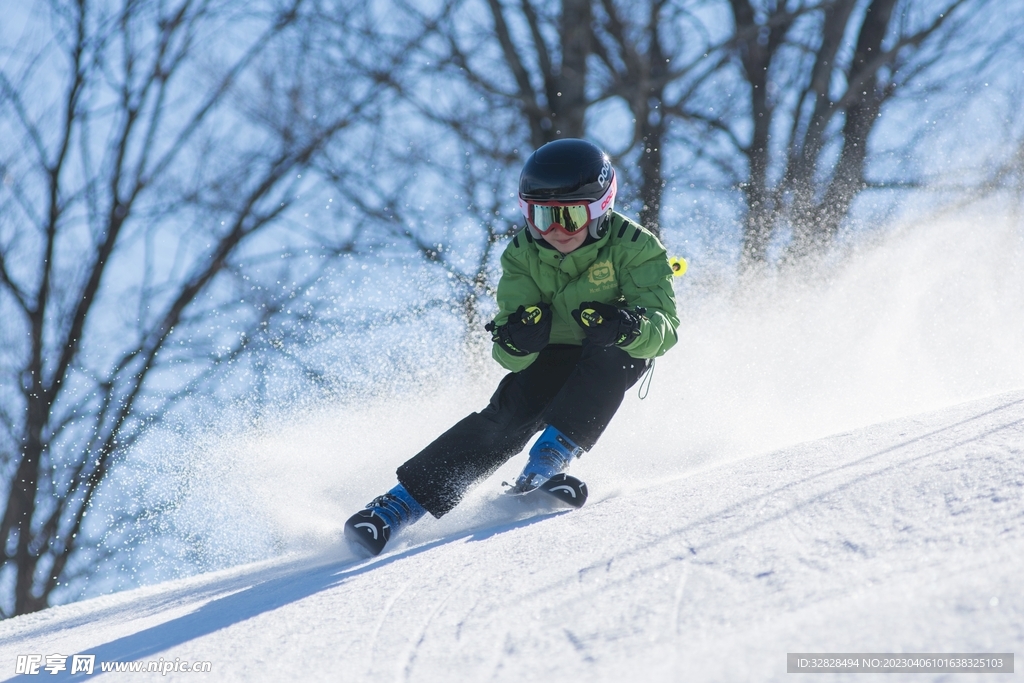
x=370 y=529
x=550 y=456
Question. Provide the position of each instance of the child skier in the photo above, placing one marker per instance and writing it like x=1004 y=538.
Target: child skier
x=585 y=301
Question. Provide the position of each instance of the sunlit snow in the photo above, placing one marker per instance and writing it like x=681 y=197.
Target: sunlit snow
x=827 y=468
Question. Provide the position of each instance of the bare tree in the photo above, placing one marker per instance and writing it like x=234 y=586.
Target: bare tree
x=444 y=156
x=549 y=76
x=783 y=104
x=152 y=163
x=535 y=58
x=652 y=58
x=818 y=76
x=780 y=101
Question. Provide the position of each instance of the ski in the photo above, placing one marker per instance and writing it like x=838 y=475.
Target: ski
x=563 y=488
x=367 y=532
x=567 y=489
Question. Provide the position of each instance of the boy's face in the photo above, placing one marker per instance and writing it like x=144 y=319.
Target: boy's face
x=563 y=241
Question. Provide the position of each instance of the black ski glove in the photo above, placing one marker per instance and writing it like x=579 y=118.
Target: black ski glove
x=527 y=330
x=607 y=325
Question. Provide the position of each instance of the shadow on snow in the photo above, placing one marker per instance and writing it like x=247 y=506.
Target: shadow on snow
x=290 y=584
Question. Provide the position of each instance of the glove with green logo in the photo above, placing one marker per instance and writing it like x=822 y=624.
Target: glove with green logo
x=527 y=330
x=608 y=325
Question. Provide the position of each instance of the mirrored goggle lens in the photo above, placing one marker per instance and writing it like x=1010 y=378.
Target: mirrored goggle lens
x=571 y=218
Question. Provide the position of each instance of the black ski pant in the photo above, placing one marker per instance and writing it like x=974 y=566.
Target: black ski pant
x=576 y=389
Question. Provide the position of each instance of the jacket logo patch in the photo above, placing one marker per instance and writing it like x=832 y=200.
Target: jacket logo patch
x=601 y=274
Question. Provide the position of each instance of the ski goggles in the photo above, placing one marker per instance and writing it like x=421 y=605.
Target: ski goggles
x=569 y=217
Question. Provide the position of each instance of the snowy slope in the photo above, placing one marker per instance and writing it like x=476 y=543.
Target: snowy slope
x=907 y=535
x=711 y=545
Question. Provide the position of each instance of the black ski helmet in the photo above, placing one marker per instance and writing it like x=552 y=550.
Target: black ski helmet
x=572 y=171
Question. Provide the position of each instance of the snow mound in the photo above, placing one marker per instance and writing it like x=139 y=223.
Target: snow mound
x=904 y=536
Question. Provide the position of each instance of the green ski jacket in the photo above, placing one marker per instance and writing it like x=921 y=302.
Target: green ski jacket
x=628 y=267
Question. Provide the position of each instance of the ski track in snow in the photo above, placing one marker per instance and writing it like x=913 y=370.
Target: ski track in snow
x=905 y=536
